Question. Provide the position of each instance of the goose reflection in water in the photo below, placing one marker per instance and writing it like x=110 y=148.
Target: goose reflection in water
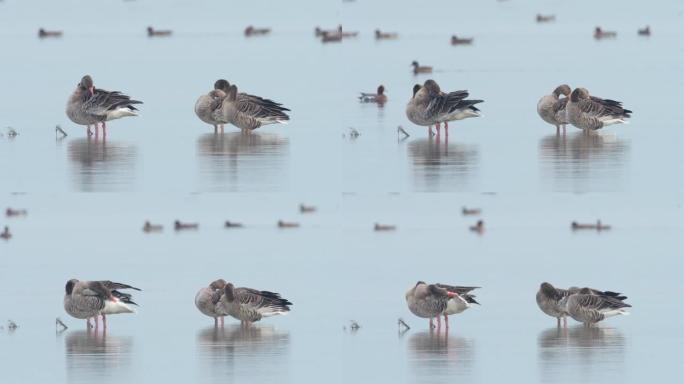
x=91 y=355
x=442 y=166
x=584 y=161
x=102 y=165
x=243 y=161
x=439 y=357
x=571 y=354
x=243 y=351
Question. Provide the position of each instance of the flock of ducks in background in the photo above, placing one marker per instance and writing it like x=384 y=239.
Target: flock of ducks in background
x=88 y=300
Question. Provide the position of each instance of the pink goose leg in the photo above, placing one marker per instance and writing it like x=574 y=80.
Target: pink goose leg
x=439 y=322
x=438 y=128
x=90 y=133
x=446 y=321
x=88 y=325
x=97 y=323
x=104 y=129
x=104 y=321
x=446 y=129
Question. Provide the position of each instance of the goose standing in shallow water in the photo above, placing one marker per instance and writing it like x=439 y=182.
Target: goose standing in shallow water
x=591 y=113
x=207 y=104
x=90 y=299
x=249 y=112
x=433 y=300
x=552 y=109
x=208 y=300
x=90 y=106
x=589 y=308
x=249 y=305
x=429 y=105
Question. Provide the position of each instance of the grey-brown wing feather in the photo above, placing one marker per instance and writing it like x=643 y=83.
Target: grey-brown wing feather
x=260 y=108
x=103 y=101
x=261 y=299
x=455 y=288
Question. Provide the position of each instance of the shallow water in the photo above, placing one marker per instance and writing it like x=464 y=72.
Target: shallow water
x=165 y=165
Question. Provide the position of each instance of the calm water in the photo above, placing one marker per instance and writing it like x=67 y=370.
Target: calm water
x=88 y=198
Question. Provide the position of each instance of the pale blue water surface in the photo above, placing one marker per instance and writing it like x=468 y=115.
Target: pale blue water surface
x=88 y=198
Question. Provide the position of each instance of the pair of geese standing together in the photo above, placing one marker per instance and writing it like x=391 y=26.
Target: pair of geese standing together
x=91 y=106
x=93 y=299
x=430 y=106
x=586 y=305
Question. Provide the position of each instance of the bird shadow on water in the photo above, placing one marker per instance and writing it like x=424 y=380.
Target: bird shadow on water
x=237 y=351
x=91 y=355
x=583 y=162
x=581 y=354
x=99 y=165
x=243 y=161
x=441 y=166
x=439 y=357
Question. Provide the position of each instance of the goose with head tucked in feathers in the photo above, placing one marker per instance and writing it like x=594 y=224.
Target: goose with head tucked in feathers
x=248 y=112
x=88 y=105
x=552 y=109
x=90 y=299
x=249 y=305
x=589 y=308
x=434 y=300
x=208 y=300
x=587 y=112
x=429 y=105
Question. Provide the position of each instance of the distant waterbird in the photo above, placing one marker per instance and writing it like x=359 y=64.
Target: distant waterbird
x=417 y=68
x=44 y=33
x=599 y=226
x=379 y=35
x=455 y=40
x=152 y=228
x=646 y=31
x=545 y=18
x=151 y=32
x=10 y=212
x=478 y=227
x=470 y=211
x=5 y=234
x=600 y=34
x=253 y=31
x=287 y=224
x=180 y=226
x=378 y=97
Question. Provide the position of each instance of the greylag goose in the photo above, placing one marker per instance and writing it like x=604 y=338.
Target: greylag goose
x=433 y=300
x=151 y=32
x=249 y=112
x=601 y=34
x=89 y=105
x=251 y=31
x=429 y=105
x=455 y=40
x=417 y=68
x=589 y=308
x=249 y=305
x=207 y=105
x=379 y=35
x=232 y=224
x=591 y=113
x=90 y=299
x=545 y=18
x=331 y=37
x=378 y=97
x=644 y=31
x=6 y=234
x=478 y=227
x=208 y=300
x=43 y=33
x=552 y=109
